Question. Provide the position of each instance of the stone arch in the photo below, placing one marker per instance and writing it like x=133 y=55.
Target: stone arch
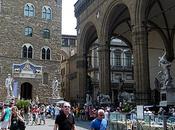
x=116 y=23
x=113 y=20
x=89 y=35
x=157 y=17
x=63 y=53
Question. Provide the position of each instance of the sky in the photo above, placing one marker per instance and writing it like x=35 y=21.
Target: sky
x=68 y=18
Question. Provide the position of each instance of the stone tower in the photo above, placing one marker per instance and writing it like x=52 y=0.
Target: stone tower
x=30 y=40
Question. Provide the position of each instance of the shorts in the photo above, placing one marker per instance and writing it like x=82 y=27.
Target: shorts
x=4 y=124
x=42 y=117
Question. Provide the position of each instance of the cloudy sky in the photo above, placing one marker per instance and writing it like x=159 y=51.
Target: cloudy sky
x=68 y=18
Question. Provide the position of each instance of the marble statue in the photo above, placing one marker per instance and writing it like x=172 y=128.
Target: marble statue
x=88 y=99
x=165 y=73
x=55 y=88
x=167 y=90
x=8 y=85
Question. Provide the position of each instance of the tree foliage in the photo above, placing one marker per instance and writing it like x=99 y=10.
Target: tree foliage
x=22 y=104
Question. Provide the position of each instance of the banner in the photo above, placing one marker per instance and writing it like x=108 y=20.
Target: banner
x=15 y=89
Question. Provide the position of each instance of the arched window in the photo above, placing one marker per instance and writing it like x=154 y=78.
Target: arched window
x=48 y=54
x=28 y=31
x=46 y=33
x=29 y=10
x=24 y=51
x=46 y=13
x=45 y=53
x=27 y=51
x=30 y=52
x=49 y=14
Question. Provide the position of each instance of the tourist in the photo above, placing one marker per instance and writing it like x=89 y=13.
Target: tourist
x=106 y=114
x=35 y=112
x=17 y=121
x=99 y=123
x=57 y=110
x=5 y=117
x=65 y=120
x=42 y=114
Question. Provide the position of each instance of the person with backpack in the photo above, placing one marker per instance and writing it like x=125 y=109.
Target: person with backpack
x=99 y=123
x=65 y=120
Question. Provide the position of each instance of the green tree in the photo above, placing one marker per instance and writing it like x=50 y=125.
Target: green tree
x=22 y=104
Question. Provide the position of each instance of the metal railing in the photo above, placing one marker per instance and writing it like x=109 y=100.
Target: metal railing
x=128 y=121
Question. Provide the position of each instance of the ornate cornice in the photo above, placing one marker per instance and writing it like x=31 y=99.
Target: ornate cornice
x=81 y=5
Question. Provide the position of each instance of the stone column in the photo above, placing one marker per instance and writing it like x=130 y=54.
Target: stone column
x=141 y=64
x=104 y=69
x=81 y=75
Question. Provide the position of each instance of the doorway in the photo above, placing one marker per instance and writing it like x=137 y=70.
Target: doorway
x=26 y=91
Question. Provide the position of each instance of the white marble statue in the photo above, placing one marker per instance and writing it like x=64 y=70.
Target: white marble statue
x=88 y=99
x=8 y=85
x=165 y=73
x=55 y=88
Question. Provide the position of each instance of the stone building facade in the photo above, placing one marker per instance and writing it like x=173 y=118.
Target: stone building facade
x=146 y=26
x=30 y=40
x=69 y=84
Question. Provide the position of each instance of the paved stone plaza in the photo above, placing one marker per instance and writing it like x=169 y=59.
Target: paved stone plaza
x=81 y=125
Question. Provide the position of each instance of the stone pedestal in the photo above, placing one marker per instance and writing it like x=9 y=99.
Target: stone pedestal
x=167 y=96
x=54 y=100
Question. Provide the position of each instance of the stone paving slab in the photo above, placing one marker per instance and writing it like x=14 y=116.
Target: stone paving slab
x=81 y=125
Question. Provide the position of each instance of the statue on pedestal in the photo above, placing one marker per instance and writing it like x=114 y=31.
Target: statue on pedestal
x=8 y=85
x=55 y=88
x=165 y=74
x=165 y=81
x=88 y=99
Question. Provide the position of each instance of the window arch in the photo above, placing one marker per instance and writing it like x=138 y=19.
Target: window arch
x=27 y=51
x=45 y=53
x=46 y=13
x=48 y=54
x=29 y=10
x=28 y=31
x=24 y=51
x=46 y=33
x=30 y=52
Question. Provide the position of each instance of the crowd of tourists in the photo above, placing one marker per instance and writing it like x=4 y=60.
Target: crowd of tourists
x=14 y=118
x=11 y=118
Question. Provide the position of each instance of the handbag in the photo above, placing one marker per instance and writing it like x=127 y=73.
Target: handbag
x=21 y=125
